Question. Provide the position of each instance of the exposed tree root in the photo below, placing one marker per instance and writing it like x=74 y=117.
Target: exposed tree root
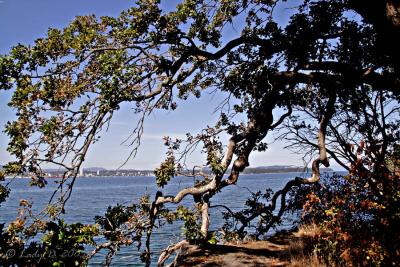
x=166 y=253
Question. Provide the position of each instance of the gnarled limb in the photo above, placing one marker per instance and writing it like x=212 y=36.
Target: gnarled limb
x=256 y=130
x=323 y=157
x=107 y=245
x=298 y=181
x=166 y=253
x=251 y=135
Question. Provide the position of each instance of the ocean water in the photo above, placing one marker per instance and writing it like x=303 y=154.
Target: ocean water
x=92 y=195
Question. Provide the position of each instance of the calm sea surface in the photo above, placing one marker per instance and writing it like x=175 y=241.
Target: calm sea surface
x=91 y=197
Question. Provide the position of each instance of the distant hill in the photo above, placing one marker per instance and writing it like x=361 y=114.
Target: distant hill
x=274 y=169
x=100 y=171
x=280 y=169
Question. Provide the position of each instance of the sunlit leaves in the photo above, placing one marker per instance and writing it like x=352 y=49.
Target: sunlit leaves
x=191 y=227
x=165 y=172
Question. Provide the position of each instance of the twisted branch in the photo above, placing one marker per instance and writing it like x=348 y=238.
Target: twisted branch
x=166 y=253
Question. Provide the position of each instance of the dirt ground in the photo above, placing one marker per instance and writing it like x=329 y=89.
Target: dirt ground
x=287 y=249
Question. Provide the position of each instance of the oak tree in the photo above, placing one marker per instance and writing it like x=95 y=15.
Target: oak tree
x=326 y=79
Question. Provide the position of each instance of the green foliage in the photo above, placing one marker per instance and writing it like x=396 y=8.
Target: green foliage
x=125 y=225
x=68 y=85
x=213 y=148
x=113 y=219
x=62 y=245
x=72 y=238
x=238 y=223
x=165 y=172
x=4 y=192
x=191 y=228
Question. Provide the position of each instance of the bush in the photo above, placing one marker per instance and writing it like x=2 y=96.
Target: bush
x=359 y=225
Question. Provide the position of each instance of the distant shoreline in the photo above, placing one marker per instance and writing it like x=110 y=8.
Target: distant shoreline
x=152 y=175
x=102 y=172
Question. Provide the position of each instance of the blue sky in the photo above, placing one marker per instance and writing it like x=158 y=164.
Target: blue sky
x=22 y=21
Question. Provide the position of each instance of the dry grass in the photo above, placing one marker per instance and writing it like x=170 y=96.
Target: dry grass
x=301 y=248
x=310 y=260
x=308 y=231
